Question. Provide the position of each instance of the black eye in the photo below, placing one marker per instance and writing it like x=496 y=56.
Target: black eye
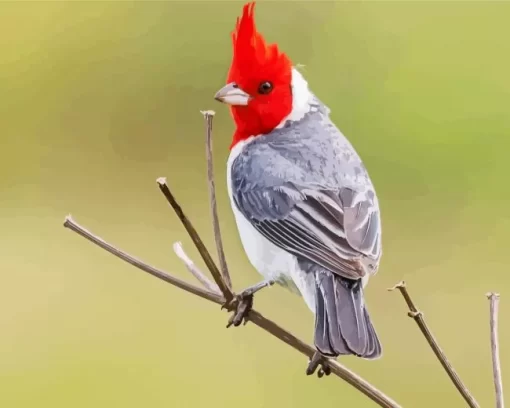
x=265 y=87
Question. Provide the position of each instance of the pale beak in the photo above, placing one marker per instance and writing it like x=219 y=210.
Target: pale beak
x=231 y=94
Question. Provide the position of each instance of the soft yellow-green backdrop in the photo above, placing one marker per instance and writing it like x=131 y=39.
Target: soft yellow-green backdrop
x=98 y=99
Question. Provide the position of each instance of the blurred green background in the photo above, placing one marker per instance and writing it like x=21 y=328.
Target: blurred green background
x=98 y=99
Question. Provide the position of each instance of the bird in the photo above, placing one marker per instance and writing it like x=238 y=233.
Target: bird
x=305 y=207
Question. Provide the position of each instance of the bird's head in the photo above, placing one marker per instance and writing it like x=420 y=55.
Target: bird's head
x=259 y=83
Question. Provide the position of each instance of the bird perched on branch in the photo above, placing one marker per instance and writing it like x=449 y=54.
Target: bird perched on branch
x=305 y=207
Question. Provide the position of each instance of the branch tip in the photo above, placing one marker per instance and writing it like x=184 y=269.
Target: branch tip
x=161 y=181
x=179 y=251
x=399 y=285
x=68 y=220
x=207 y=113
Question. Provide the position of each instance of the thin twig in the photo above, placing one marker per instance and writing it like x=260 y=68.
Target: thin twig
x=216 y=274
x=208 y=118
x=197 y=273
x=496 y=364
x=158 y=273
x=255 y=317
x=418 y=318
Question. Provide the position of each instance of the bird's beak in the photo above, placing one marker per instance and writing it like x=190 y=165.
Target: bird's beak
x=231 y=94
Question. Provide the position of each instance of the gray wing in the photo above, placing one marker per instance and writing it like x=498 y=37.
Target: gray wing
x=325 y=227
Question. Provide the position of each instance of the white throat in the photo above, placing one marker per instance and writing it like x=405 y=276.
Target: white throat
x=301 y=98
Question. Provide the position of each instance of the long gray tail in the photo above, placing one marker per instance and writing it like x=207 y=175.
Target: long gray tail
x=342 y=323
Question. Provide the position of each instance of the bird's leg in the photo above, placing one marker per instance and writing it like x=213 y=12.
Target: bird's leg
x=317 y=360
x=250 y=291
x=243 y=302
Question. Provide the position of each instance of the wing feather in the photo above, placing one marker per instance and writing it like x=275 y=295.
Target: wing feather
x=311 y=228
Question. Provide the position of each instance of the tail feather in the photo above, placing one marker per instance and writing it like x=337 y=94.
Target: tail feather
x=342 y=322
x=374 y=346
x=322 y=328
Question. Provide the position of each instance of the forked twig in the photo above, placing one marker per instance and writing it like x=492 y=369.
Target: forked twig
x=208 y=116
x=496 y=364
x=206 y=256
x=420 y=321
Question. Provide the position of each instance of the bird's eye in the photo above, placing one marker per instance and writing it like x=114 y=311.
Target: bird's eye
x=265 y=87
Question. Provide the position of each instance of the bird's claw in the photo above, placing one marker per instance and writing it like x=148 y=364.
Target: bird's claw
x=318 y=360
x=241 y=306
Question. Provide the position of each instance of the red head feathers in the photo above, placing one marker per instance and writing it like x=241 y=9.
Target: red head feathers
x=252 y=57
x=261 y=73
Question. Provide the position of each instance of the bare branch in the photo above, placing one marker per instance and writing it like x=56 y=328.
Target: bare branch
x=213 y=297
x=418 y=318
x=496 y=364
x=208 y=117
x=206 y=256
x=255 y=317
x=197 y=273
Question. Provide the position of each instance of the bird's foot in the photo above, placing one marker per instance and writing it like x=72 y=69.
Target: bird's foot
x=242 y=304
x=241 y=307
x=317 y=360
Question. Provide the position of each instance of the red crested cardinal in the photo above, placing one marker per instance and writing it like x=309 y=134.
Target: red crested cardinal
x=306 y=210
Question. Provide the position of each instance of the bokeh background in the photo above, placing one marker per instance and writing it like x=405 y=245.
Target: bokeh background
x=98 y=99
